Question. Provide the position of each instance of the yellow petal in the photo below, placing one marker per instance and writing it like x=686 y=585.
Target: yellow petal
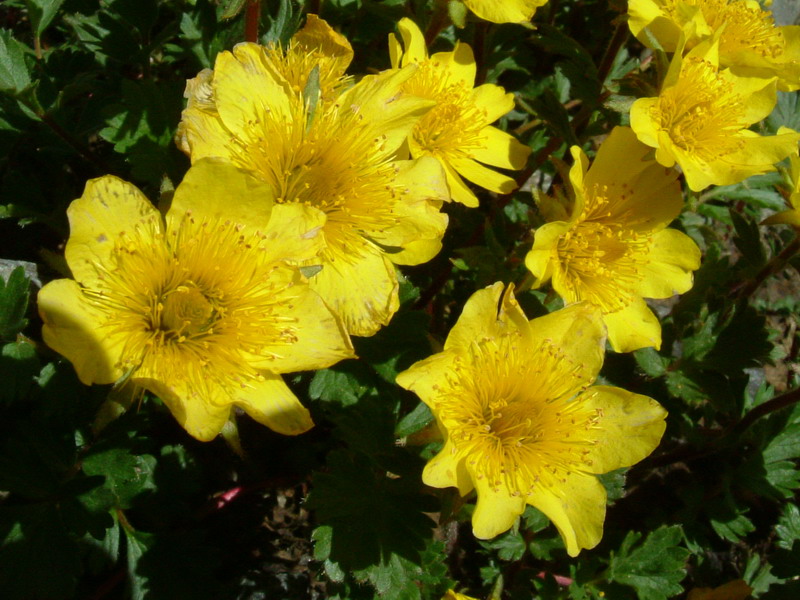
x=413 y=42
x=419 y=223
x=633 y=327
x=643 y=124
x=576 y=507
x=483 y=316
x=483 y=176
x=201 y=410
x=507 y=11
x=672 y=258
x=647 y=195
x=448 y=469
x=109 y=206
x=71 y=329
x=201 y=133
x=493 y=100
x=543 y=256
x=496 y=509
x=577 y=331
x=500 y=149
x=379 y=99
x=759 y=96
x=427 y=377
x=317 y=35
x=272 y=403
x=295 y=233
x=459 y=191
x=458 y=65
x=208 y=188
x=318 y=336
x=359 y=283
x=629 y=428
x=785 y=217
x=759 y=154
x=245 y=92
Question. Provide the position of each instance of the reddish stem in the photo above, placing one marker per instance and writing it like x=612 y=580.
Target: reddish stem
x=560 y=579
x=251 y=18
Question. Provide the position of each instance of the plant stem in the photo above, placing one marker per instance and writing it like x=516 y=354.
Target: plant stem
x=439 y=20
x=617 y=41
x=251 y=18
x=775 y=265
x=770 y=406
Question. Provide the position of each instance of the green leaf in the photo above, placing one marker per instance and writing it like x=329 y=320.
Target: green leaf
x=127 y=474
x=655 y=567
x=14 y=73
x=414 y=421
x=614 y=482
x=372 y=516
x=748 y=240
x=728 y=519
x=651 y=362
x=41 y=13
x=786 y=113
x=788 y=528
x=343 y=384
x=19 y=366
x=457 y=11
x=13 y=303
x=509 y=546
x=232 y=8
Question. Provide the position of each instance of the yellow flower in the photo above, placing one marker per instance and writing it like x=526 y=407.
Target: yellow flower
x=199 y=308
x=749 y=42
x=701 y=117
x=791 y=216
x=504 y=11
x=457 y=130
x=335 y=152
x=521 y=423
x=613 y=250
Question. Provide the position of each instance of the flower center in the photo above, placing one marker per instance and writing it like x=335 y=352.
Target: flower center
x=186 y=311
x=452 y=127
x=509 y=412
x=701 y=113
x=601 y=260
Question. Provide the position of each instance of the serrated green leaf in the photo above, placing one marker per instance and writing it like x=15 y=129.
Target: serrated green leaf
x=509 y=546
x=655 y=567
x=41 y=13
x=371 y=516
x=127 y=474
x=343 y=384
x=13 y=303
x=728 y=519
x=788 y=528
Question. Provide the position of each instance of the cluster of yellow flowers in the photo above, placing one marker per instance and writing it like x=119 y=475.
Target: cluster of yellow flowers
x=729 y=60
x=307 y=189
